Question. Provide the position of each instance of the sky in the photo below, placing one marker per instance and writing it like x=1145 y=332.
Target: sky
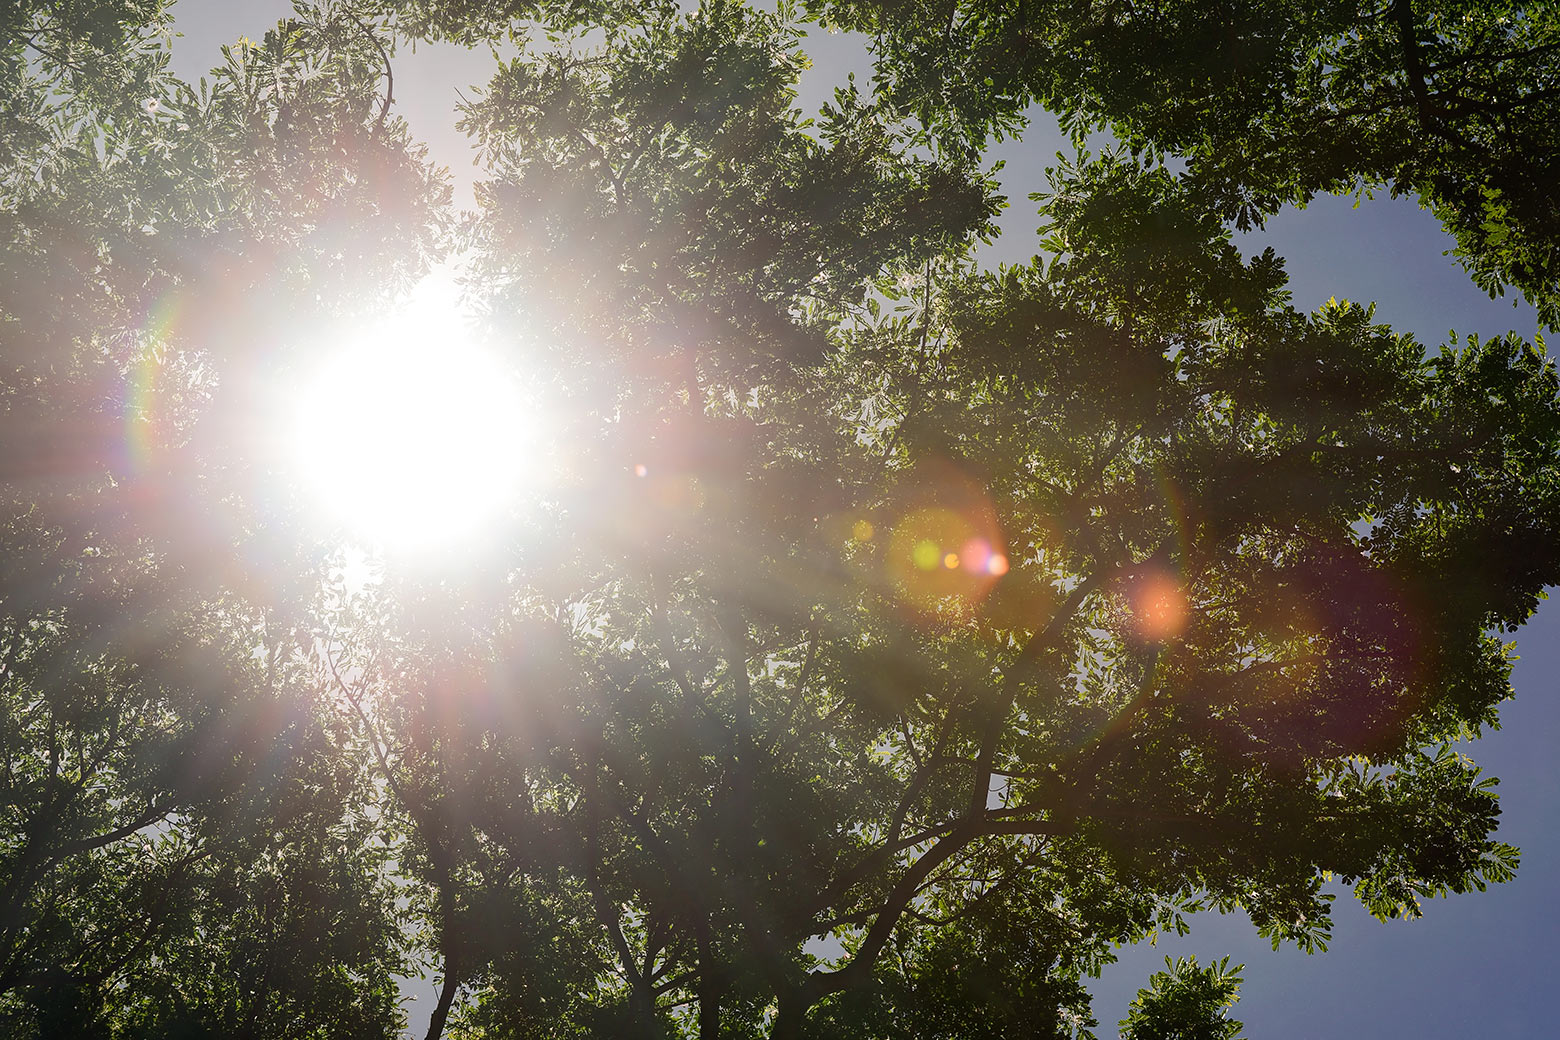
x=1482 y=964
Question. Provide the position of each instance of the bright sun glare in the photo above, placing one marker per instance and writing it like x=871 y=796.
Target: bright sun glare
x=411 y=434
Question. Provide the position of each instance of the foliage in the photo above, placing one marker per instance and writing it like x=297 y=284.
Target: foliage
x=1185 y=1002
x=1271 y=101
x=184 y=846
x=470 y=22
x=897 y=636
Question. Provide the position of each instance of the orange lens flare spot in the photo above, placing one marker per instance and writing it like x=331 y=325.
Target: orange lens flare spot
x=1159 y=607
x=951 y=561
x=997 y=565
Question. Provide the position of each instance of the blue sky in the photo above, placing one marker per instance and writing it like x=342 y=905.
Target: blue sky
x=1475 y=965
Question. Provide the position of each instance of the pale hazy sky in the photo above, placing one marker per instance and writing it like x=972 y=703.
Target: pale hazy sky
x=1481 y=965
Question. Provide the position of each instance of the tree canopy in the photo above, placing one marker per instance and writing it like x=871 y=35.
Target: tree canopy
x=1271 y=103
x=892 y=637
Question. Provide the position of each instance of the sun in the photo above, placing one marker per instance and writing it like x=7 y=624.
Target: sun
x=410 y=433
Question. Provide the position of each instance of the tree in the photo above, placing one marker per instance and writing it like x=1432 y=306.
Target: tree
x=898 y=638
x=1185 y=1002
x=184 y=849
x=1271 y=102
x=766 y=714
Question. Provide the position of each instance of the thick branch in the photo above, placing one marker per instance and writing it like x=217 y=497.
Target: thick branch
x=605 y=914
x=152 y=815
x=384 y=57
x=821 y=984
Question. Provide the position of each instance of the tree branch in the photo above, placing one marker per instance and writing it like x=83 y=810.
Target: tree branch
x=152 y=815
x=384 y=57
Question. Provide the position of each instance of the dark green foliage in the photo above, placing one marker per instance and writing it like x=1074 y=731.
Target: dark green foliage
x=1271 y=101
x=663 y=195
x=473 y=22
x=186 y=845
x=1185 y=1002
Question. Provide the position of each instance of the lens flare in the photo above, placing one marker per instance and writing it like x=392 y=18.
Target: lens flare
x=1159 y=607
x=938 y=553
x=925 y=554
x=410 y=434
